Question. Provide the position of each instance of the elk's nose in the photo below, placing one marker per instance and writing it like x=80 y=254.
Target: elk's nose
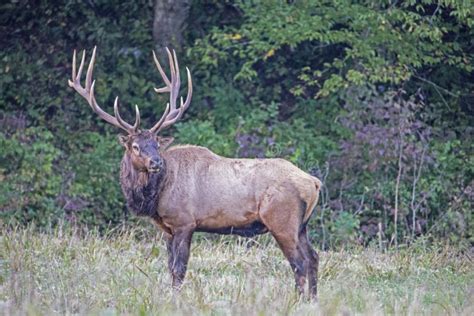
x=155 y=165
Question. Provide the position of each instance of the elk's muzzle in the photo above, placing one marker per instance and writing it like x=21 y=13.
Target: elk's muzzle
x=155 y=165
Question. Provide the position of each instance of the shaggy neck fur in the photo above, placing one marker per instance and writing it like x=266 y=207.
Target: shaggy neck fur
x=141 y=189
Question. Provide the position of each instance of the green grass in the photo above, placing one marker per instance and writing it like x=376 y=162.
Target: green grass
x=125 y=272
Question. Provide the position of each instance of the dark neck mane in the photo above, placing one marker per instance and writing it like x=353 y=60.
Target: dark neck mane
x=141 y=189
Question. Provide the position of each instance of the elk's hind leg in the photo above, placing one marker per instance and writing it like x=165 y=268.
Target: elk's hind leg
x=296 y=258
x=283 y=219
x=312 y=262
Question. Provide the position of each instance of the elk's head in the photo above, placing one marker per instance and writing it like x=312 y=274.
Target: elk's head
x=144 y=150
x=143 y=147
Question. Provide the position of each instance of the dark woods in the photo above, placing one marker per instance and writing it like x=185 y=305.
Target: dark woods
x=374 y=99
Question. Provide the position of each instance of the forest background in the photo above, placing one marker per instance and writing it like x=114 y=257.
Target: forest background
x=373 y=97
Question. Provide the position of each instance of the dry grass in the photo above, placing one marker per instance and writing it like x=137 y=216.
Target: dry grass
x=62 y=272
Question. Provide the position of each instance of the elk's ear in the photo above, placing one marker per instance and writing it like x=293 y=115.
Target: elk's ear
x=123 y=140
x=164 y=142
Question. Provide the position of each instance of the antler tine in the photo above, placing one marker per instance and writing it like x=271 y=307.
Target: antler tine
x=183 y=107
x=177 y=86
x=190 y=90
x=137 y=118
x=73 y=67
x=81 y=66
x=175 y=83
x=156 y=127
x=87 y=93
x=133 y=128
x=172 y=114
x=163 y=75
x=90 y=69
x=77 y=76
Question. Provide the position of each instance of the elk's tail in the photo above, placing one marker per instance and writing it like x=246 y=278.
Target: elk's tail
x=314 y=201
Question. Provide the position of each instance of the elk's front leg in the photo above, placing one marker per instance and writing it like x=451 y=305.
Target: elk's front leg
x=178 y=251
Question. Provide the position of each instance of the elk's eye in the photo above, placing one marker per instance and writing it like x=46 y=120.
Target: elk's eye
x=136 y=148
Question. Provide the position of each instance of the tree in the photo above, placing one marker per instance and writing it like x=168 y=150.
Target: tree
x=169 y=22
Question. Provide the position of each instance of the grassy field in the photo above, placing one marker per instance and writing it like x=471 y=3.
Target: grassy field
x=125 y=272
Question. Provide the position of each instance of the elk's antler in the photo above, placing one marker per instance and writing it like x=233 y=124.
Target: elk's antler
x=172 y=114
x=87 y=93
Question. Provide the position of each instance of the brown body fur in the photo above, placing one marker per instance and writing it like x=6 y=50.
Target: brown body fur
x=214 y=192
x=201 y=191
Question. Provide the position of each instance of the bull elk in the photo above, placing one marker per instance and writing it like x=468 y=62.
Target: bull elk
x=187 y=189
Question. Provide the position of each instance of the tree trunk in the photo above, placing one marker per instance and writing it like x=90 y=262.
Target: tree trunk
x=169 y=22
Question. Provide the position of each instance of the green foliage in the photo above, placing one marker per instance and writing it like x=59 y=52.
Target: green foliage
x=339 y=88
x=29 y=182
x=94 y=183
x=79 y=179
x=204 y=134
x=351 y=43
x=455 y=168
x=345 y=228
